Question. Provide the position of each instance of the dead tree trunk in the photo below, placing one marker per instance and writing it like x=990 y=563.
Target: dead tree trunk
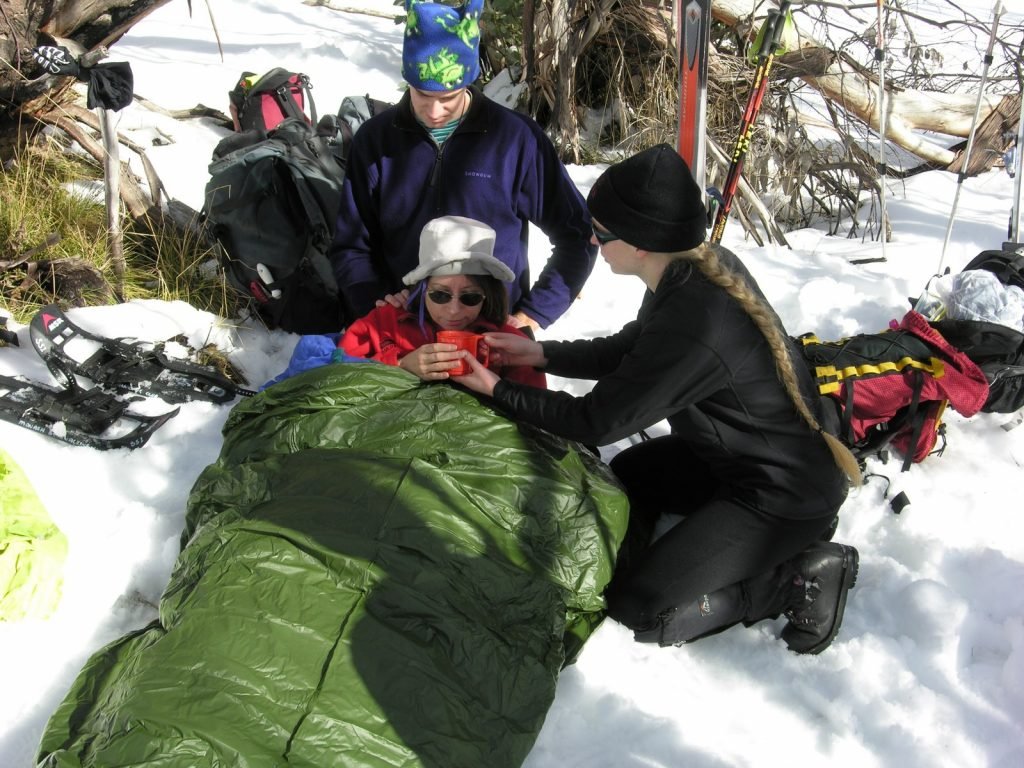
x=558 y=34
x=83 y=25
x=856 y=92
x=990 y=139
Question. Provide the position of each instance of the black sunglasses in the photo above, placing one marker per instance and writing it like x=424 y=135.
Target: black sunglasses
x=603 y=235
x=465 y=299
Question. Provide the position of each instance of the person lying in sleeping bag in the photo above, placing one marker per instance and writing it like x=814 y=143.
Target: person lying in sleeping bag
x=458 y=286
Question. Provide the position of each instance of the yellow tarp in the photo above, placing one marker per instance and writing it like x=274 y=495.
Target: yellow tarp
x=32 y=549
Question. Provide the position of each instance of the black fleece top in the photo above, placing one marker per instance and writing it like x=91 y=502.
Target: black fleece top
x=695 y=358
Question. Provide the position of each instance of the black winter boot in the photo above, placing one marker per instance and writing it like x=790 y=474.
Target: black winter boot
x=826 y=571
x=708 y=615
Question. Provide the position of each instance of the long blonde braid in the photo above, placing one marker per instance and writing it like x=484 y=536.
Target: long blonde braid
x=706 y=259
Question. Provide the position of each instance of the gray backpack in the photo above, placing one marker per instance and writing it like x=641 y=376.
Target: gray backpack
x=271 y=204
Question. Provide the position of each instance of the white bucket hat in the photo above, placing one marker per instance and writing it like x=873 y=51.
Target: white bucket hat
x=455 y=245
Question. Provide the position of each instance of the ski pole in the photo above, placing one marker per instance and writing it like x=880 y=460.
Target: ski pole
x=881 y=167
x=996 y=12
x=774 y=24
x=1018 y=162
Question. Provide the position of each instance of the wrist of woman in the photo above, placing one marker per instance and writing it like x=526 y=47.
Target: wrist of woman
x=542 y=357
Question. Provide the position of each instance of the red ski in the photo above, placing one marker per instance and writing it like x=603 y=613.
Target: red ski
x=694 y=39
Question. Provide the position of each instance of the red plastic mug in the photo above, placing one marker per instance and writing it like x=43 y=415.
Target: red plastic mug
x=467 y=341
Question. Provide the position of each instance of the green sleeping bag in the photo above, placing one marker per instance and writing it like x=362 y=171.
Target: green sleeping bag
x=376 y=572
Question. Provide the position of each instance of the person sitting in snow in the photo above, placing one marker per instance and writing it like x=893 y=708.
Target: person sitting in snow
x=447 y=149
x=458 y=286
x=747 y=465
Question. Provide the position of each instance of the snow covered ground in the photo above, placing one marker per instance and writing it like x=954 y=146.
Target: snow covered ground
x=929 y=667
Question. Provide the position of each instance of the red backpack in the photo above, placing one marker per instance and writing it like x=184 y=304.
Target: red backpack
x=891 y=388
x=263 y=102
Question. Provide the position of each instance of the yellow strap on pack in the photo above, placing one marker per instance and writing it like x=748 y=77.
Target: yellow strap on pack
x=831 y=378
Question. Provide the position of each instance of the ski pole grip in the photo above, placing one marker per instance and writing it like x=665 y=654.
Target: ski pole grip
x=779 y=26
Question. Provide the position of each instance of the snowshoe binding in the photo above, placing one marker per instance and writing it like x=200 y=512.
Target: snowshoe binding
x=119 y=365
x=78 y=416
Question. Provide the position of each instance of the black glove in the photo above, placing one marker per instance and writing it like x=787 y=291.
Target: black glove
x=56 y=59
x=111 y=85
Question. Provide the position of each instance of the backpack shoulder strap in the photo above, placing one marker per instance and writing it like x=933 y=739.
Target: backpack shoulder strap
x=286 y=101
x=916 y=418
x=307 y=90
x=280 y=83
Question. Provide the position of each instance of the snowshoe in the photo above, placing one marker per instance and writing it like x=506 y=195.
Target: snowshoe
x=78 y=416
x=118 y=365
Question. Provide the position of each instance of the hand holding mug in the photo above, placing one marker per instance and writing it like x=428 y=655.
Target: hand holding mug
x=479 y=377
x=433 y=362
x=473 y=343
x=514 y=349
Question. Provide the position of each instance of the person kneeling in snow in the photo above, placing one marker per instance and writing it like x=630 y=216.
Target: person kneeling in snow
x=459 y=286
x=747 y=464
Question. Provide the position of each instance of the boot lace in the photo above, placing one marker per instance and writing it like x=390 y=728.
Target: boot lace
x=811 y=590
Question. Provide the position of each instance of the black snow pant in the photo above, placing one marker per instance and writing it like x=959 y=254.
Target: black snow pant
x=723 y=563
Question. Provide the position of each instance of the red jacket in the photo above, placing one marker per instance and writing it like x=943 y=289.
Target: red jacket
x=387 y=334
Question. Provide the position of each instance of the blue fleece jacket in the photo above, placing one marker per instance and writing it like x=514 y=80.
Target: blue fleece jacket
x=498 y=167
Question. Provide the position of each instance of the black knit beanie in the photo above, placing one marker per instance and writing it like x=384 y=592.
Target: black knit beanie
x=651 y=201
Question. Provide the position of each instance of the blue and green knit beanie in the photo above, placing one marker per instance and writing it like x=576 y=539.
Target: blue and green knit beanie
x=442 y=45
